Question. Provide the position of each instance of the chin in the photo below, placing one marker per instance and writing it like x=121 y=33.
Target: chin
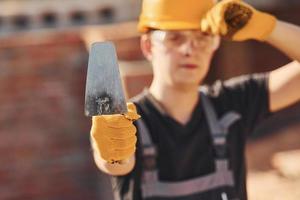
x=189 y=80
x=186 y=84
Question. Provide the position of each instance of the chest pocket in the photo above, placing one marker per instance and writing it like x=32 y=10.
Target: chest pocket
x=218 y=185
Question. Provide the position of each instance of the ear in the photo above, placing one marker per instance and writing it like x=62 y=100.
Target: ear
x=146 y=46
x=216 y=42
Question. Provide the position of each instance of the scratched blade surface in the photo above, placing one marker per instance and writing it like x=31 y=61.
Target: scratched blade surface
x=104 y=93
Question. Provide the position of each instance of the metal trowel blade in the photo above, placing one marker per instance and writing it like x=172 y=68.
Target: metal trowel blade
x=104 y=92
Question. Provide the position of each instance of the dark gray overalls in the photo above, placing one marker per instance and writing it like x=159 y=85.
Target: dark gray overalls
x=218 y=185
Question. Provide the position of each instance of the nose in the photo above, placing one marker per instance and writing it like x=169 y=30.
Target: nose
x=188 y=47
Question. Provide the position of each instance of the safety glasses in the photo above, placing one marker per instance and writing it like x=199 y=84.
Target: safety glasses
x=178 y=38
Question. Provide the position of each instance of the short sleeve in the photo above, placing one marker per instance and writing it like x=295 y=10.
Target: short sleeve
x=247 y=95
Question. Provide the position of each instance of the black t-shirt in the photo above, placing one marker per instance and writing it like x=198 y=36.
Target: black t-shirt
x=186 y=151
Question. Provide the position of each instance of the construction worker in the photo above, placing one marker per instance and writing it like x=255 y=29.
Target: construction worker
x=185 y=142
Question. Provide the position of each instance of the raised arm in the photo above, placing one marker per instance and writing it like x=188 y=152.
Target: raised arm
x=286 y=37
x=238 y=21
x=284 y=83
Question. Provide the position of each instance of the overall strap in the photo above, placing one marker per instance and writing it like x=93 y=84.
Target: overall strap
x=217 y=126
x=212 y=119
x=149 y=151
x=218 y=130
x=188 y=187
x=144 y=133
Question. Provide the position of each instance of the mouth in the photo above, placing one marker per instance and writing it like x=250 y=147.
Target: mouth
x=189 y=66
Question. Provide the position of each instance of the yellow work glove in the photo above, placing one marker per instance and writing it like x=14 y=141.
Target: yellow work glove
x=114 y=136
x=238 y=21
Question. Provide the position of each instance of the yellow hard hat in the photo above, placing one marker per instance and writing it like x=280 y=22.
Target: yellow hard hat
x=172 y=14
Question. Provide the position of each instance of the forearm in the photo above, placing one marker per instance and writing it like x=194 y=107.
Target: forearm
x=284 y=85
x=286 y=37
x=284 y=82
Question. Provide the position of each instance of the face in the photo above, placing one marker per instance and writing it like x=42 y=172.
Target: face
x=180 y=57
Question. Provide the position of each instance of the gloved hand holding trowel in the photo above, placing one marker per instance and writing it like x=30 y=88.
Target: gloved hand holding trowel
x=114 y=135
x=112 y=132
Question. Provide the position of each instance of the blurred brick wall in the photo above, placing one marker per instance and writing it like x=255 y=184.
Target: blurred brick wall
x=44 y=143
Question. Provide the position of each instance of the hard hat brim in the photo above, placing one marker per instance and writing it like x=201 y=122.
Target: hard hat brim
x=167 y=25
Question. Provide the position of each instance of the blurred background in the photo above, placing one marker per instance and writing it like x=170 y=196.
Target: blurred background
x=44 y=135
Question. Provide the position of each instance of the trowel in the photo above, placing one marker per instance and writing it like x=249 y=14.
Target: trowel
x=104 y=92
